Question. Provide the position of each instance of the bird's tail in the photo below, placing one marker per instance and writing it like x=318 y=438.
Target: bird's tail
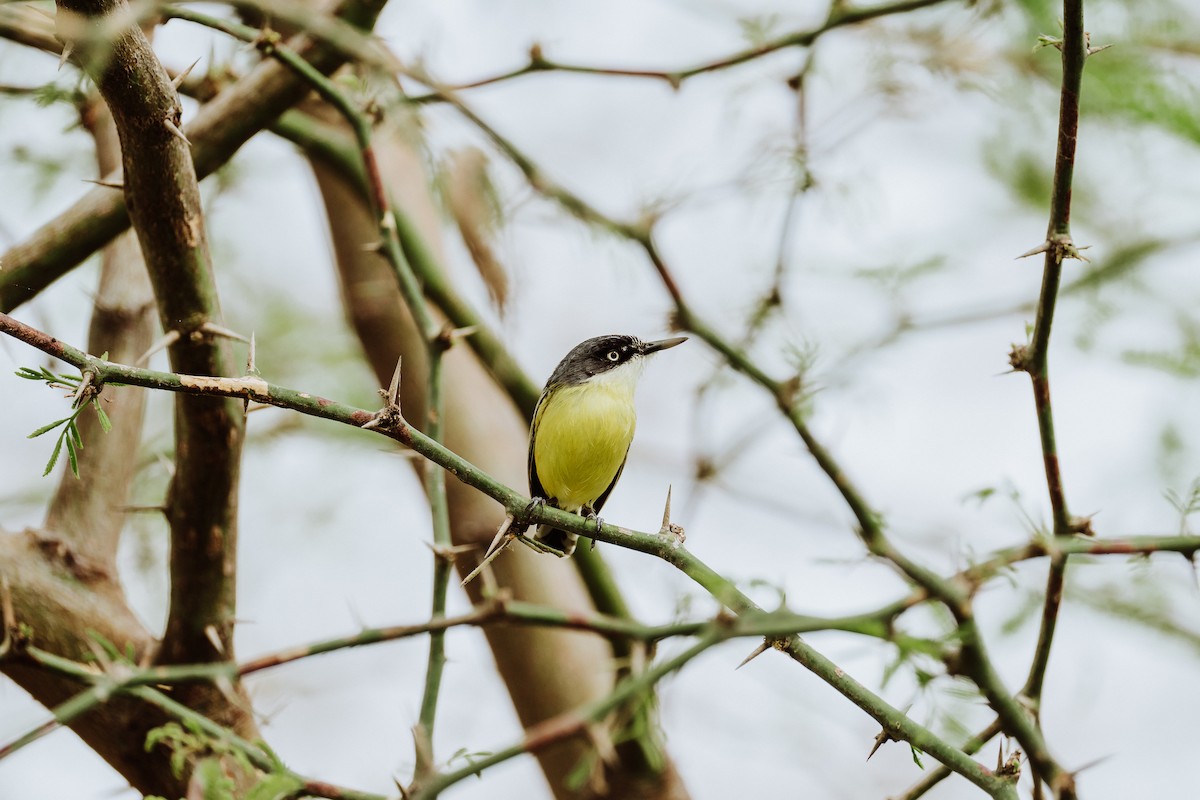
x=559 y=540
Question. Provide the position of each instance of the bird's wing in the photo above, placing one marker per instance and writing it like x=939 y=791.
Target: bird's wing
x=596 y=506
x=535 y=485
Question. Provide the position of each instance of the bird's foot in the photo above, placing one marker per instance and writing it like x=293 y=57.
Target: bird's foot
x=523 y=520
x=590 y=514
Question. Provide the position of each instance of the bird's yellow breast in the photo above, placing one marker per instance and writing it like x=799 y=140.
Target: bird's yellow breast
x=581 y=436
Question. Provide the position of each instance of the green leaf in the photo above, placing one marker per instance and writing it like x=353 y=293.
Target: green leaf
x=53 y=457
x=162 y=733
x=47 y=428
x=210 y=777
x=105 y=422
x=577 y=778
x=72 y=456
x=916 y=754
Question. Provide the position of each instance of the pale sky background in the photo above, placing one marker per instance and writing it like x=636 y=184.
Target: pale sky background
x=333 y=528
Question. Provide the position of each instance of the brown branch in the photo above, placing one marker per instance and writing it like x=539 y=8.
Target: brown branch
x=87 y=509
x=163 y=196
x=531 y=661
x=1034 y=360
x=219 y=128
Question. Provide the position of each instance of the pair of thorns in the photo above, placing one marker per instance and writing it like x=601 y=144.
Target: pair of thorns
x=514 y=529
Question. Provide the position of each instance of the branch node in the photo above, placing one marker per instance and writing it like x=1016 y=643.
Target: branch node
x=1087 y=45
x=267 y=42
x=537 y=61
x=389 y=417
x=1081 y=526
x=1009 y=767
x=89 y=388
x=1020 y=358
x=1060 y=246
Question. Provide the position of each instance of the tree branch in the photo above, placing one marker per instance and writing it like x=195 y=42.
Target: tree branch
x=840 y=16
x=665 y=547
x=218 y=130
x=86 y=509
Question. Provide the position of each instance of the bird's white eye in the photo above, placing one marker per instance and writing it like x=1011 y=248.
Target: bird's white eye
x=613 y=355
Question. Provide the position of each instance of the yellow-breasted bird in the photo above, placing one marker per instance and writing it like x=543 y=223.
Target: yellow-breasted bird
x=582 y=428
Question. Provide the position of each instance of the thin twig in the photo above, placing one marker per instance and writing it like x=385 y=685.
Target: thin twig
x=839 y=17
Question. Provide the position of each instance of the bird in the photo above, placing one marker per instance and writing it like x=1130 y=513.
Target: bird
x=582 y=427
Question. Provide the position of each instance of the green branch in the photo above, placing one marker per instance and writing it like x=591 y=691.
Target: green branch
x=668 y=548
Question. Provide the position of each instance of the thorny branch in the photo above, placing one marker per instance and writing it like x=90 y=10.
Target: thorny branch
x=664 y=547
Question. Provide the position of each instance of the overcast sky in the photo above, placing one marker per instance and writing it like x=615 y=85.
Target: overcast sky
x=903 y=185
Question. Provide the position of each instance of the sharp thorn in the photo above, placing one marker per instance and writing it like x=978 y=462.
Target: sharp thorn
x=451 y=552
x=880 y=738
x=1041 y=248
x=250 y=368
x=68 y=48
x=181 y=77
x=499 y=544
x=758 y=651
x=666 y=523
x=462 y=333
x=82 y=388
x=500 y=532
x=210 y=632
x=217 y=330
x=168 y=339
x=160 y=509
x=107 y=184
x=170 y=125
x=393 y=395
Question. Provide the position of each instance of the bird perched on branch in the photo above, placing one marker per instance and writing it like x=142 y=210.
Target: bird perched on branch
x=582 y=428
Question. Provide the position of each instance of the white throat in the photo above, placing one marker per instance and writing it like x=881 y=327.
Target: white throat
x=620 y=379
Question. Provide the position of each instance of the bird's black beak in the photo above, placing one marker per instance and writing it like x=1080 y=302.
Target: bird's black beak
x=661 y=344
